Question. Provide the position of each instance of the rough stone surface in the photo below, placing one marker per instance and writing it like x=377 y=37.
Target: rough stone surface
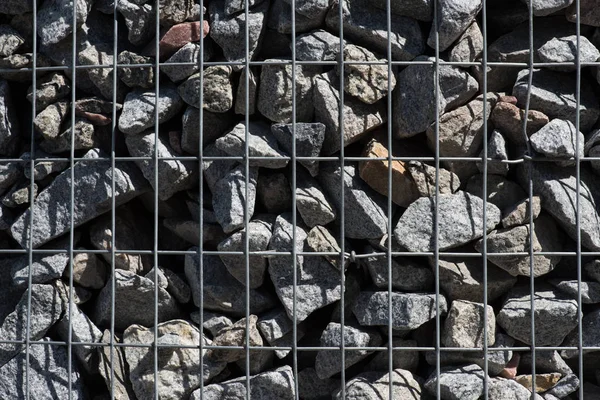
x=508 y=389
x=591 y=335
x=309 y=140
x=369 y=83
x=462 y=383
x=310 y=387
x=519 y=214
x=217 y=89
x=318 y=45
x=564 y=50
x=274 y=192
x=464 y=325
x=502 y=192
x=407 y=275
x=55 y=19
x=496 y=151
x=508 y=119
x=229 y=198
x=311 y=202
x=558 y=140
x=139 y=108
x=9 y=124
x=10 y=40
x=423 y=176
x=240 y=97
x=454 y=17
x=235 y=335
x=190 y=53
x=590 y=291
x=82 y=330
x=321 y=239
x=469 y=46
x=375 y=385
x=122 y=385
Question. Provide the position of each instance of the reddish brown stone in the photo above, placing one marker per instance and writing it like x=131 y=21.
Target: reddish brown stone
x=94 y=118
x=508 y=99
x=508 y=118
x=510 y=371
x=178 y=36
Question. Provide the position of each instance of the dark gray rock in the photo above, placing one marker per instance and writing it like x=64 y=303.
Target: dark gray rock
x=140 y=20
x=134 y=302
x=407 y=275
x=359 y=118
x=375 y=385
x=460 y=222
x=217 y=89
x=88 y=271
x=329 y=363
x=421 y=10
x=564 y=50
x=310 y=387
x=240 y=97
x=309 y=140
x=558 y=140
x=82 y=330
x=278 y=330
x=320 y=239
x=173 y=175
x=93 y=197
x=280 y=16
x=261 y=143
x=553 y=94
x=368 y=83
x=364 y=210
x=462 y=383
x=468 y=47
x=50 y=89
x=564 y=387
x=139 y=108
x=177 y=11
x=235 y=6
x=102 y=78
x=310 y=8
x=258 y=240
x=590 y=291
x=409 y=310
x=401 y=358
x=229 y=31
x=496 y=151
x=214 y=125
x=502 y=193
x=221 y=290
x=547 y=361
x=215 y=170
x=190 y=53
x=590 y=338
x=17 y=7
x=311 y=202
x=318 y=283
x=367 y=26
x=229 y=198
x=212 y=322
x=275 y=384
x=556 y=316
x=465 y=323
x=172 y=283
x=318 y=45
x=48 y=372
x=273 y=192
x=10 y=40
x=10 y=174
x=55 y=19
x=454 y=17
x=133 y=77
x=44 y=268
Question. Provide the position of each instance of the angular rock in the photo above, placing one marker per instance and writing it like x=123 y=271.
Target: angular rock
x=138 y=19
x=460 y=222
x=261 y=143
x=519 y=214
x=49 y=89
x=359 y=118
x=310 y=387
x=217 y=89
x=134 y=302
x=221 y=290
x=178 y=36
x=88 y=271
x=10 y=40
x=589 y=13
x=462 y=383
x=49 y=121
x=555 y=316
x=545 y=7
x=409 y=310
x=320 y=239
x=497 y=152
x=364 y=210
x=212 y=322
x=172 y=283
x=546 y=361
x=565 y=50
x=102 y=78
x=464 y=325
x=368 y=83
x=280 y=16
x=85 y=138
x=454 y=17
x=139 y=108
x=318 y=45
x=190 y=53
x=401 y=358
x=468 y=47
x=273 y=192
x=501 y=192
x=375 y=385
x=133 y=77
x=309 y=140
x=424 y=177
x=235 y=335
x=82 y=330
x=508 y=389
x=590 y=338
x=116 y=368
x=44 y=268
x=318 y=283
x=93 y=194
x=407 y=275
x=240 y=97
x=543 y=382
x=229 y=198
x=311 y=202
x=328 y=363
x=214 y=125
x=564 y=387
x=590 y=291
x=176 y=11
x=553 y=94
x=508 y=119
x=55 y=19
x=558 y=140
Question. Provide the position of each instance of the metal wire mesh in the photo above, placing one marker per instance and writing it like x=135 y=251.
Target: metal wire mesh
x=341 y=160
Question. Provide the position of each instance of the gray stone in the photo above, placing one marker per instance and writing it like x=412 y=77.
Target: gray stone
x=590 y=291
x=519 y=214
x=46 y=308
x=19 y=195
x=177 y=11
x=258 y=240
x=275 y=92
x=409 y=310
x=85 y=138
x=318 y=283
x=229 y=198
x=461 y=134
x=557 y=140
x=564 y=387
x=10 y=40
x=557 y=188
x=212 y=322
x=178 y=372
x=190 y=53
x=329 y=363
x=17 y=7
x=545 y=236
x=55 y=19
x=278 y=330
x=508 y=389
x=217 y=89
x=462 y=383
x=311 y=202
x=140 y=20
x=401 y=358
x=275 y=384
x=592 y=269
x=48 y=371
x=496 y=153
x=102 y=78
x=116 y=367
x=364 y=210
x=320 y=239
x=134 y=302
x=172 y=283
x=310 y=387
x=214 y=125
x=590 y=338
x=589 y=14
x=453 y=18
x=460 y=222
x=88 y=271
x=310 y=8
x=376 y=385
x=221 y=290
x=93 y=194
x=309 y=140
x=50 y=89
x=14 y=64
x=424 y=177
x=43 y=169
x=261 y=143
x=274 y=192
x=468 y=47
x=565 y=50
x=240 y=97
x=553 y=94
x=136 y=76
x=368 y=83
x=359 y=118
x=173 y=175
x=139 y=108
x=555 y=316
x=407 y=275
x=318 y=45
x=542 y=8
x=229 y=31
x=280 y=16
x=235 y=6
x=44 y=268
x=215 y=170
x=235 y=335
x=367 y=26
x=465 y=323
x=82 y=330
x=9 y=175
x=592 y=149
x=547 y=361
x=502 y=193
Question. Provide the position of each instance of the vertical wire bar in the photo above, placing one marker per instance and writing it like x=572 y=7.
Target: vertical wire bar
x=388 y=8
x=485 y=201
x=342 y=202
x=436 y=229
x=156 y=183
x=113 y=213
x=246 y=190
x=72 y=197
x=294 y=220
x=577 y=196
x=31 y=202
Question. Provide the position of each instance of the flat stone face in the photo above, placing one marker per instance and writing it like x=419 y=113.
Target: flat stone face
x=92 y=198
x=407 y=275
x=217 y=89
x=458 y=383
x=311 y=202
x=229 y=198
x=559 y=139
x=139 y=108
x=318 y=45
x=373 y=385
x=309 y=140
x=558 y=50
x=591 y=334
x=454 y=17
x=465 y=323
x=369 y=83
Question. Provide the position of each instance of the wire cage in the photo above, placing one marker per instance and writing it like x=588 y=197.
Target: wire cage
x=95 y=184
